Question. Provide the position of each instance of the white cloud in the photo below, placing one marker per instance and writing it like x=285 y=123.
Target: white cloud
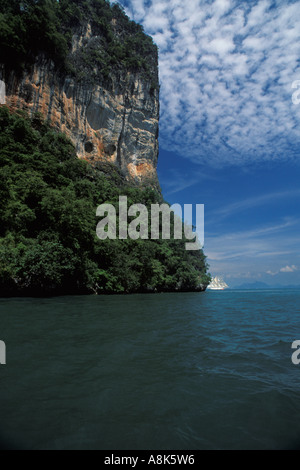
x=226 y=71
x=289 y=269
x=220 y=7
x=221 y=46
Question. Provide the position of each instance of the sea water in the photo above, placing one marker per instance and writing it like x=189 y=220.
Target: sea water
x=188 y=371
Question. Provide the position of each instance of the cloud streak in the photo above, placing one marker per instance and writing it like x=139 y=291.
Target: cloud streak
x=226 y=71
x=257 y=201
x=179 y=181
x=269 y=247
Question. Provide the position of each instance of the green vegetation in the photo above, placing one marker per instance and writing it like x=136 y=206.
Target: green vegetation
x=48 y=243
x=30 y=28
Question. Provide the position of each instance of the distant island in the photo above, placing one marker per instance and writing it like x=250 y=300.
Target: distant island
x=263 y=285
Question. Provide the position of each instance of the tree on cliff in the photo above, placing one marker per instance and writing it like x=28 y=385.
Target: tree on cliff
x=29 y=28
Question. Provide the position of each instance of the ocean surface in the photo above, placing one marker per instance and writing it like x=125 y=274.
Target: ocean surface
x=193 y=371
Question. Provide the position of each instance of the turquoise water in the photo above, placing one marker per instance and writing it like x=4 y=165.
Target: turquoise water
x=173 y=371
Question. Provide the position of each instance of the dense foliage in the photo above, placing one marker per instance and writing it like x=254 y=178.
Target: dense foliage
x=48 y=242
x=31 y=27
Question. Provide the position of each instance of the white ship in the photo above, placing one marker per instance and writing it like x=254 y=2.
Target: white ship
x=217 y=284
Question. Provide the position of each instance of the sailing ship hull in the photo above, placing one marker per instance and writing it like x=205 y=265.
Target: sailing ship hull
x=215 y=288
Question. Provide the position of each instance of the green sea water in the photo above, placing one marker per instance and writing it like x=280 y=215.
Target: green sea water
x=193 y=371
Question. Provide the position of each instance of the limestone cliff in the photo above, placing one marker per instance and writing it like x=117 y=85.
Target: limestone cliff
x=110 y=115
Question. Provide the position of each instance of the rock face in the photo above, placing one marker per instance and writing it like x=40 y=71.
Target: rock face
x=115 y=122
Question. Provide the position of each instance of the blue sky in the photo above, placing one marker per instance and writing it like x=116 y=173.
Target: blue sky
x=229 y=130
